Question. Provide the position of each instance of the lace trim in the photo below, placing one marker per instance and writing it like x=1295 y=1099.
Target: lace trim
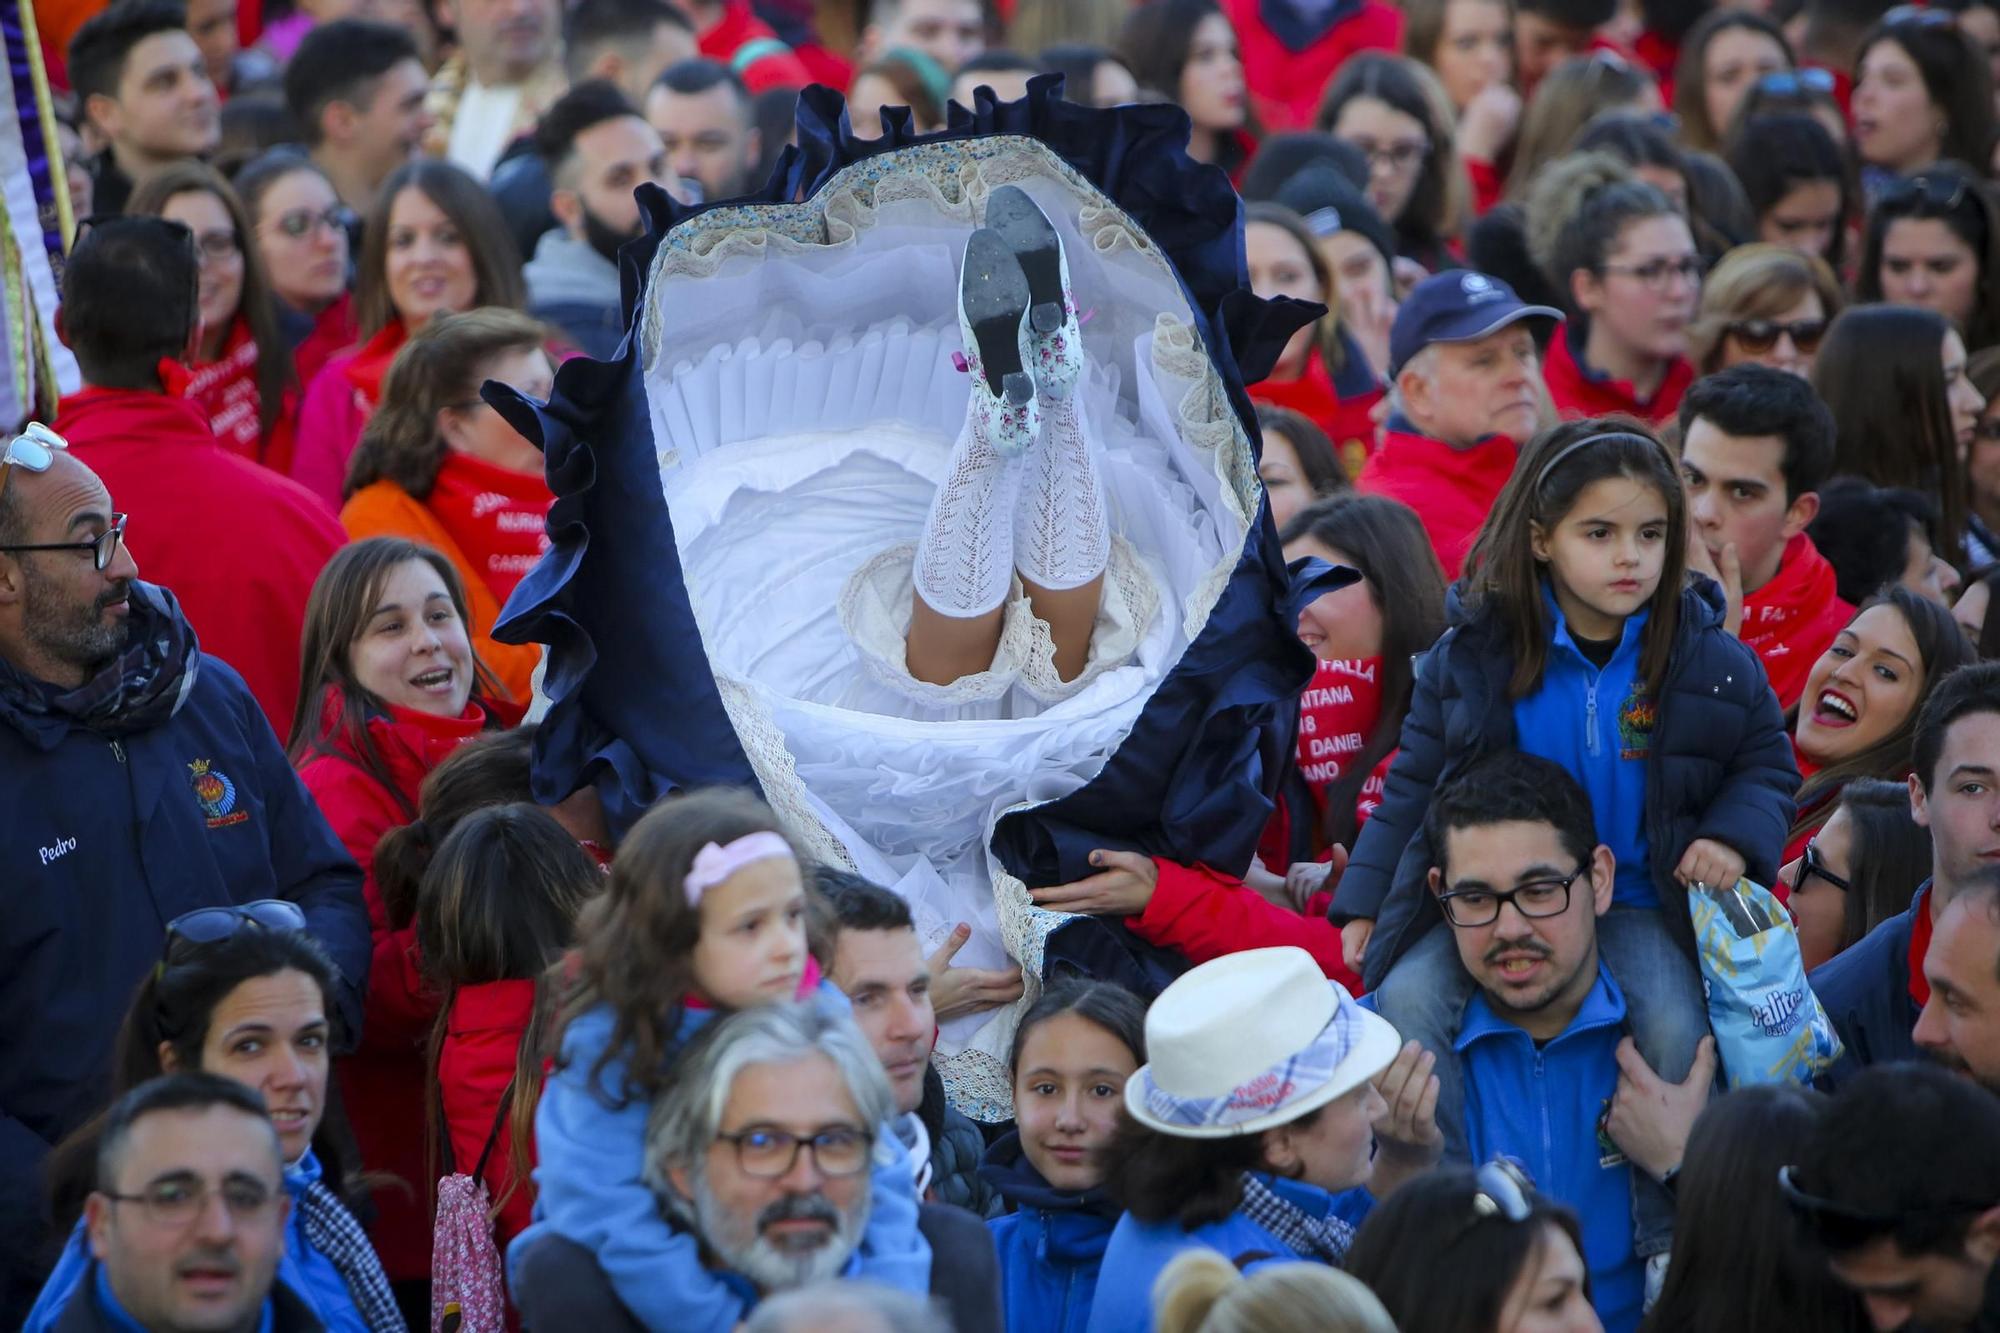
x=875 y=612
x=1130 y=601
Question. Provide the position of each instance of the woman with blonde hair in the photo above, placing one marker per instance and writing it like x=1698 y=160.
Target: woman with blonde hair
x=439 y=466
x=1202 y=1292
x=1765 y=304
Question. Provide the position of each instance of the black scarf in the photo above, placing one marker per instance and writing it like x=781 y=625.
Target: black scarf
x=136 y=691
x=1300 y=23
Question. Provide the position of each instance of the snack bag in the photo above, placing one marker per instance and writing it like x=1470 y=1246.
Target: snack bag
x=1769 y=1026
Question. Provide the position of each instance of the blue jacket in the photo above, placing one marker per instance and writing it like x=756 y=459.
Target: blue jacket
x=113 y=839
x=1139 y=1251
x=1050 y=1245
x=1545 y=1105
x=1720 y=767
x=1865 y=989
x=309 y=1275
x=590 y=1145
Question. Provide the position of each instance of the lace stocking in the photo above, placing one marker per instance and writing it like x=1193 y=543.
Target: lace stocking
x=1062 y=537
x=965 y=561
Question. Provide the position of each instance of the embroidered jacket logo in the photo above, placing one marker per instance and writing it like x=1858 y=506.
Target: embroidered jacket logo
x=216 y=794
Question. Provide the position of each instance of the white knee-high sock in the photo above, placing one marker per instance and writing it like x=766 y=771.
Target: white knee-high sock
x=965 y=560
x=1062 y=534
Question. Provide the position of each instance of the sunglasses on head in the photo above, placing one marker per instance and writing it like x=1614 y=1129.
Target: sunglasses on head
x=1795 y=82
x=1919 y=16
x=207 y=925
x=1758 y=336
x=34 y=449
x=1843 y=1226
x=1501 y=1188
x=1939 y=192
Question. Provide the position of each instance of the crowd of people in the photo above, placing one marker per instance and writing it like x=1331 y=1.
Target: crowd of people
x=1635 y=465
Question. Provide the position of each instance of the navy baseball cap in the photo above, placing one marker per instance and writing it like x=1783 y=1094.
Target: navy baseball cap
x=1456 y=306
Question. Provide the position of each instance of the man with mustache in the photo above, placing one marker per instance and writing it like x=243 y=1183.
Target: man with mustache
x=762 y=1149
x=1876 y=991
x=1549 y=1075
x=188 y=1219
x=140 y=777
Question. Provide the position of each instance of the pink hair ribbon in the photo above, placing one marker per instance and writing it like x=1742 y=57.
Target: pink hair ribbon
x=713 y=864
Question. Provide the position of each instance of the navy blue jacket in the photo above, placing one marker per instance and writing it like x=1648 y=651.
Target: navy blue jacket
x=1720 y=767
x=1050 y=1246
x=1865 y=990
x=111 y=840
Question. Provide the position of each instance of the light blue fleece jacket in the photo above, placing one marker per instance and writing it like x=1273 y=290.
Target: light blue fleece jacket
x=591 y=1191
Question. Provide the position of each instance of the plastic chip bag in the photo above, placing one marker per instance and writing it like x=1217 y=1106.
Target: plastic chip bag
x=1769 y=1026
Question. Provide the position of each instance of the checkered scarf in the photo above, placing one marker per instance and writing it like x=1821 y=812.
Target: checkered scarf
x=143 y=687
x=1323 y=1238
x=332 y=1230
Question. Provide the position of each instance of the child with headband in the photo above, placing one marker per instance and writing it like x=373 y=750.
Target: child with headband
x=1579 y=639
x=704 y=911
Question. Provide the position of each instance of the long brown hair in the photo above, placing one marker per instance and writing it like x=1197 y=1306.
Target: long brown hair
x=499 y=903
x=1504 y=578
x=496 y=261
x=342 y=601
x=493 y=769
x=1326 y=330
x=1386 y=541
x=635 y=944
x=254 y=303
x=438 y=370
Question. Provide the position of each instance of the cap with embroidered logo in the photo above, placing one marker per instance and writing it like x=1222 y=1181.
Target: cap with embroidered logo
x=1457 y=306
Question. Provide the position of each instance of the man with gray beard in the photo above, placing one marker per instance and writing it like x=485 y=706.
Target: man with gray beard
x=763 y=1148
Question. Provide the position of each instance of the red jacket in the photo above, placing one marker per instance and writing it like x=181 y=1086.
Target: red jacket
x=1792 y=619
x=1344 y=408
x=1286 y=84
x=239 y=545
x=752 y=48
x=1205 y=914
x=382 y=1083
x=337 y=405
x=1579 y=391
x=1451 y=489
x=481 y=1042
x=333 y=332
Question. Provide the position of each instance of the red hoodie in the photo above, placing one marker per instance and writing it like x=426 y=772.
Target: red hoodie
x=1451 y=489
x=1792 y=619
x=482 y=1041
x=238 y=544
x=1343 y=408
x=1580 y=391
x=382 y=1083
x=1286 y=83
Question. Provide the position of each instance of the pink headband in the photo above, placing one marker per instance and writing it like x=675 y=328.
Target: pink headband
x=713 y=864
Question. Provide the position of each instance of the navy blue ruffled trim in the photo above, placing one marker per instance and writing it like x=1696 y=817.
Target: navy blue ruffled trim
x=634 y=706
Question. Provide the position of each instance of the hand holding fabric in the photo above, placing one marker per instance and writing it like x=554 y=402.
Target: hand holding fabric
x=1122 y=887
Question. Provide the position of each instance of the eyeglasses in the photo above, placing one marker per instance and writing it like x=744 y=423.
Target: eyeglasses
x=302 y=222
x=1536 y=898
x=206 y=925
x=1395 y=156
x=102 y=547
x=1501 y=1189
x=1843 y=1226
x=34 y=449
x=175 y=1203
x=1759 y=336
x=1811 y=864
x=1920 y=16
x=1945 y=192
x=1658 y=274
x=768 y=1153
x=1795 y=82
x=215 y=245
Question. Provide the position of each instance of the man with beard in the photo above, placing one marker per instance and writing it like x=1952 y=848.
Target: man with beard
x=188 y=1219
x=1549 y=1075
x=705 y=117
x=1875 y=990
x=763 y=1149
x=239 y=544
x=141 y=782
x=598 y=150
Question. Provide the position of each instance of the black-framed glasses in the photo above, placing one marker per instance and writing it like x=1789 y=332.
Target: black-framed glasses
x=1813 y=865
x=1759 y=336
x=174 y=1203
x=206 y=925
x=1844 y=1226
x=1795 y=82
x=1396 y=156
x=1658 y=274
x=299 y=223
x=102 y=547
x=1501 y=1188
x=1536 y=898
x=34 y=448
x=767 y=1152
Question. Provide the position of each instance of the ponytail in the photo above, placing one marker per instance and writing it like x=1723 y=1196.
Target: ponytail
x=1577 y=209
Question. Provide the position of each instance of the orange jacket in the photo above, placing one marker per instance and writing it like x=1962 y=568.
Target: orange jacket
x=384 y=509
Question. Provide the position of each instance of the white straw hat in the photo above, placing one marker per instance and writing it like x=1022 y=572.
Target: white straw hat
x=1252 y=1040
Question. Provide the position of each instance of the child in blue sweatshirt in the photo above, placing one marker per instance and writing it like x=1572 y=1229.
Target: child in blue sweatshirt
x=1581 y=644
x=705 y=911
